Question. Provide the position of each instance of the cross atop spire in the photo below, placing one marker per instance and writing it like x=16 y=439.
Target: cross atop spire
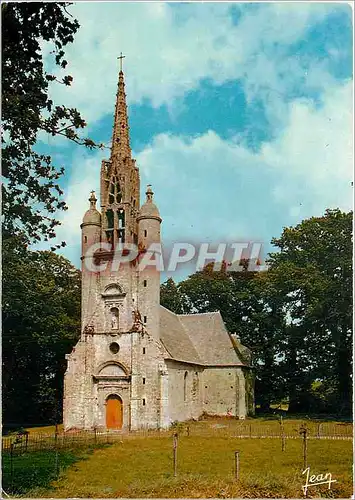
x=121 y=57
x=120 y=138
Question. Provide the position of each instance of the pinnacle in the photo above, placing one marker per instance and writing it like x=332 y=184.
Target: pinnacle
x=120 y=137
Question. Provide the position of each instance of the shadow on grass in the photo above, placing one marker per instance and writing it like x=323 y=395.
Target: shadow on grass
x=37 y=469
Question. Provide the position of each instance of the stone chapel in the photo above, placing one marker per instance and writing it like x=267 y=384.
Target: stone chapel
x=138 y=365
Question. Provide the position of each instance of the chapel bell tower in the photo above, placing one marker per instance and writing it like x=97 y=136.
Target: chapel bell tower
x=117 y=297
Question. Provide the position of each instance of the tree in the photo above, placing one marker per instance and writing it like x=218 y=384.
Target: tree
x=262 y=329
x=31 y=191
x=171 y=298
x=313 y=272
x=41 y=323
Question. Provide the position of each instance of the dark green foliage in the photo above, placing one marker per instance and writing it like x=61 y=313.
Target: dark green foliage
x=31 y=191
x=171 y=298
x=41 y=323
x=313 y=272
x=296 y=317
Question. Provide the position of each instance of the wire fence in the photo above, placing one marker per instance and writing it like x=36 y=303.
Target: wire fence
x=38 y=458
x=24 y=442
x=275 y=429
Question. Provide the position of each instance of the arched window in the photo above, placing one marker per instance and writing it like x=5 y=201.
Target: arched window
x=115 y=194
x=109 y=217
x=185 y=386
x=195 y=386
x=121 y=218
x=121 y=226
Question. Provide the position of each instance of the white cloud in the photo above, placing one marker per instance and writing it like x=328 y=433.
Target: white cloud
x=314 y=153
x=171 y=48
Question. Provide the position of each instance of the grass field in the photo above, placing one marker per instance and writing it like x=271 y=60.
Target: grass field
x=36 y=468
x=142 y=466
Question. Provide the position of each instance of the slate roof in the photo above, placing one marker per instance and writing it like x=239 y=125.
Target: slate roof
x=197 y=338
x=174 y=338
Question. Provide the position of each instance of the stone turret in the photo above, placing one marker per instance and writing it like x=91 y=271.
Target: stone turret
x=90 y=235
x=149 y=221
x=91 y=221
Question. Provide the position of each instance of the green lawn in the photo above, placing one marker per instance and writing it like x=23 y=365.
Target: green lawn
x=142 y=467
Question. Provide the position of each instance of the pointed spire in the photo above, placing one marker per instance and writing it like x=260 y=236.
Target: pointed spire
x=120 y=137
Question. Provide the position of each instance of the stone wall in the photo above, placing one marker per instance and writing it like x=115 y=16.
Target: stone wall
x=184 y=391
x=149 y=363
x=223 y=391
x=78 y=387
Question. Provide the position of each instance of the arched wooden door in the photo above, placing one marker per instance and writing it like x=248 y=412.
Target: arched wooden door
x=114 y=412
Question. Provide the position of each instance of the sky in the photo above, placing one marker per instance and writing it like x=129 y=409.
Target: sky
x=240 y=113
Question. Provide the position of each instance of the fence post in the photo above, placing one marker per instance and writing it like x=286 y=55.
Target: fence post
x=282 y=430
x=56 y=436
x=11 y=466
x=56 y=463
x=236 y=462
x=175 y=444
x=249 y=430
x=305 y=449
x=188 y=430
x=303 y=432
x=95 y=437
x=56 y=450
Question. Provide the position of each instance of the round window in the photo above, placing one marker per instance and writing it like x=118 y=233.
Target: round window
x=114 y=347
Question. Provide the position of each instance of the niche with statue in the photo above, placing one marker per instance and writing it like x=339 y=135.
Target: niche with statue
x=113 y=298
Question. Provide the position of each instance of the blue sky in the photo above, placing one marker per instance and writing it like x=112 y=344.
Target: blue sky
x=240 y=114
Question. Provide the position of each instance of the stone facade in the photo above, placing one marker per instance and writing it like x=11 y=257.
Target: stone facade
x=138 y=365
